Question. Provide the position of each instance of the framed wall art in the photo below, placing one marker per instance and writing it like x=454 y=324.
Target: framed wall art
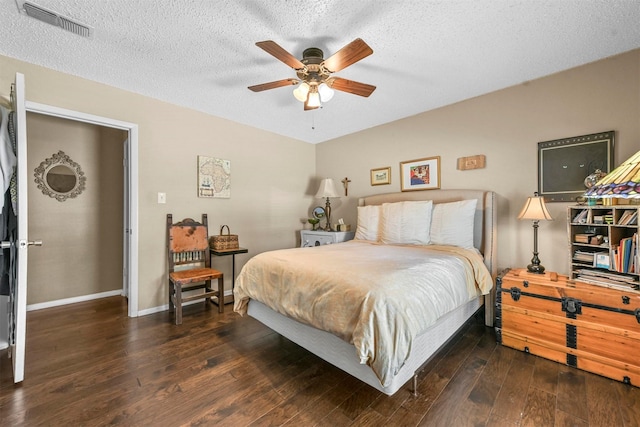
x=420 y=174
x=381 y=176
x=214 y=177
x=563 y=164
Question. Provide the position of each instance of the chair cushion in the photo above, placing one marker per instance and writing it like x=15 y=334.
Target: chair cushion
x=194 y=275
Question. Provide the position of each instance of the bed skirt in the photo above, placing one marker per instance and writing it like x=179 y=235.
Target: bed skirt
x=344 y=356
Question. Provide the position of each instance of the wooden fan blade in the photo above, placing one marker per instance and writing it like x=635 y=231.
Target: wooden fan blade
x=278 y=52
x=350 y=86
x=350 y=54
x=273 y=85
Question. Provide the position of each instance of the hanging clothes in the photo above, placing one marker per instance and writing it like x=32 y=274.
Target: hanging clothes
x=7 y=154
x=8 y=219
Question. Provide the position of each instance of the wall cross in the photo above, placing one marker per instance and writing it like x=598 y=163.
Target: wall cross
x=346 y=182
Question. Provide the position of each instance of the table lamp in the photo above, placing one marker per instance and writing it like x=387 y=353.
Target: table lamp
x=535 y=209
x=327 y=189
x=623 y=182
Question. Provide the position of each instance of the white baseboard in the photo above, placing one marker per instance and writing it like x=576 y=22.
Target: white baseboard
x=153 y=310
x=65 y=301
x=165 y=307
x=82 y=298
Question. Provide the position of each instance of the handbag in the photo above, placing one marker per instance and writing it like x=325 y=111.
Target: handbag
x=224 y=242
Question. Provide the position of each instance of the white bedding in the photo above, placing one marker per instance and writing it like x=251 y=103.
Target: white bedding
x=377 y=297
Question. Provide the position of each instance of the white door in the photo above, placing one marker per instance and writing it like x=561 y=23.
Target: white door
x=126 y=223
x=22 y=244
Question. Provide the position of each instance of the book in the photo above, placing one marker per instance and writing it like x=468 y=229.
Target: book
x=581 y=217
x=584 y=256
x=583 y=237
x=629 y=217
x=602 y=260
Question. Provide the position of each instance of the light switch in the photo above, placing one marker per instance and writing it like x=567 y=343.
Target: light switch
x=162 y=198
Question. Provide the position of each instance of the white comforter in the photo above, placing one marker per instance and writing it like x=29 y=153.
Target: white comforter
x=377 y=297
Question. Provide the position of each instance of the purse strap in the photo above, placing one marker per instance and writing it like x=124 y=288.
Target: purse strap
x=228 y=231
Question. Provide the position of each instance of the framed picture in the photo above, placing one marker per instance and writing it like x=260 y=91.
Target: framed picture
x=381 y=176
x=563 y=164
x=420 y=174
x=214 y=177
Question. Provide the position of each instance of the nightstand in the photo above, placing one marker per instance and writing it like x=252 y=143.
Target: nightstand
x=310 y=238
x=233 y=252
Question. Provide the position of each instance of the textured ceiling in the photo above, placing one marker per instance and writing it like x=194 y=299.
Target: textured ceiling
x=201 y=54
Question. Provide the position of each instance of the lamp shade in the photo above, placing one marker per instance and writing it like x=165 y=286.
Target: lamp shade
x=327 y=189
x=622 y=182
x=326 y=93
x=301 y=92
x=314 y=98
x=535 y=209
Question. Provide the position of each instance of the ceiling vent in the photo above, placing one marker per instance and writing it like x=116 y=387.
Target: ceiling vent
x=50 y=17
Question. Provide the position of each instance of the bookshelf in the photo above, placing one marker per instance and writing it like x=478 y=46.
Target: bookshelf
x=604 y=243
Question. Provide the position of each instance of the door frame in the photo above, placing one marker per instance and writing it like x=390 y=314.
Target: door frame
x=130 y=275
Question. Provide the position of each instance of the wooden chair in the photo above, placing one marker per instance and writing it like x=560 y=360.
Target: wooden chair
x=188 y=247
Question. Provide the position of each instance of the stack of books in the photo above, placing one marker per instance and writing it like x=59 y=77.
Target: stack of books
x=625 y=255
x=583 y=237
x=608 y=280
x=583 y=256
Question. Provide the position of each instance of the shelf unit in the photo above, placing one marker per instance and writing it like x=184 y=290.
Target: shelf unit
x=604 y=257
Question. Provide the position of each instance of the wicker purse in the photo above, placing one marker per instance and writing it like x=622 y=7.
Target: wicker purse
x=224 y=242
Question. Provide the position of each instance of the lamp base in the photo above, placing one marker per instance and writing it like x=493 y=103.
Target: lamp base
x=535 y=268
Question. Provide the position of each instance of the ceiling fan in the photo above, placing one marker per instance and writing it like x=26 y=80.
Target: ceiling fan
x=315 y=81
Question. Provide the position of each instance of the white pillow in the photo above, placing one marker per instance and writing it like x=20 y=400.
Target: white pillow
x=406 y=222
x=368 y=223
x=452 y=223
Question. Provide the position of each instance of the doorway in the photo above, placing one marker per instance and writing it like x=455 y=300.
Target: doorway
x=128 y=192
x=76 y=206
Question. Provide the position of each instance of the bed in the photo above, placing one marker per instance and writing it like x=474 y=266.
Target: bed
x=384 y=342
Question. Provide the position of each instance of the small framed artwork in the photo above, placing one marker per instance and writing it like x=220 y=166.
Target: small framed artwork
x=420 y=174
x=563 y=164
x=214 y=177
x=381 y=176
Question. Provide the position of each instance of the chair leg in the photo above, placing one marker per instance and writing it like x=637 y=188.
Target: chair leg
x=171 y=296
x=220 y=294
x=178 y=298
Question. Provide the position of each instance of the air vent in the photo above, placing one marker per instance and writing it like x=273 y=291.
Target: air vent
x=42 y=14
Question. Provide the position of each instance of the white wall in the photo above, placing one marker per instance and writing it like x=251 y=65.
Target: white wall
x=506 y=127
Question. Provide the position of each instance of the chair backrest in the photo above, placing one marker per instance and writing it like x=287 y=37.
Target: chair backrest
x=187 y=242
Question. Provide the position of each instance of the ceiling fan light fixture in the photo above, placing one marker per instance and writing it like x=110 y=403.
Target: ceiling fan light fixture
x=326 y=93
x=301 y=92
x=314 y=99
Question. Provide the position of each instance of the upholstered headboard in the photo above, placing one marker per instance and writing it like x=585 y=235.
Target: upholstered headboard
x=484 y=233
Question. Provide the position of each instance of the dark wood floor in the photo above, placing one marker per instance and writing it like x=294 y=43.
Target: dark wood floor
x=88 y=364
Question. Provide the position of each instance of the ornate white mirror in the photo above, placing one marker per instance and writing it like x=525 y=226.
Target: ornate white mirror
x=60 y=177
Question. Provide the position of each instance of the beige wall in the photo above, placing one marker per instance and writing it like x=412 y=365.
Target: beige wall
x=506 y=127
x=82 y=251
x=271 y=176
x=274 y=178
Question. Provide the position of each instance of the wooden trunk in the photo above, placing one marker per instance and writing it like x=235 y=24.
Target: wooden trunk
x=586 y=326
